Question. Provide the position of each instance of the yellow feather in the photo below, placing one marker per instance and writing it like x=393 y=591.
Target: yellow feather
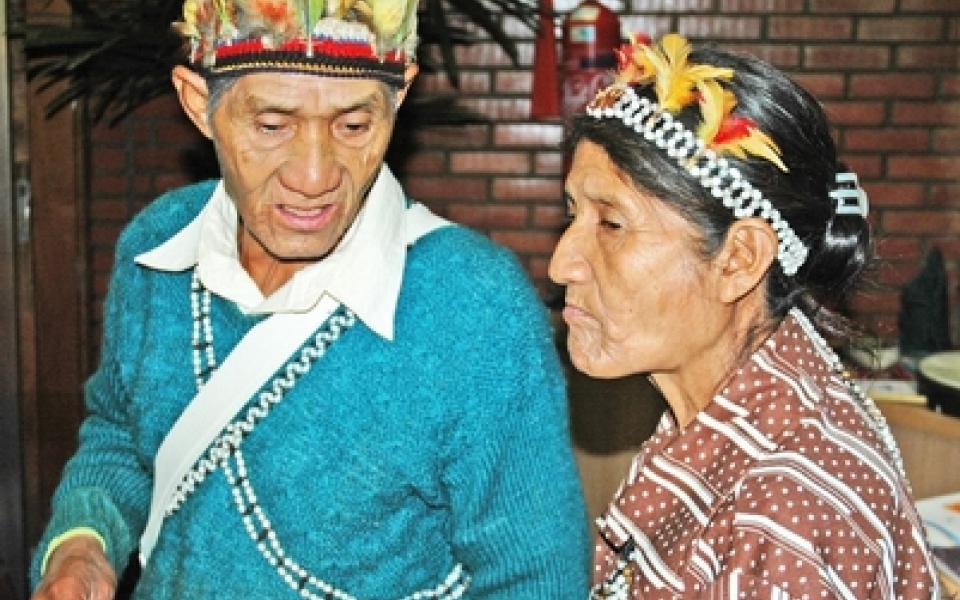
x=711 y=109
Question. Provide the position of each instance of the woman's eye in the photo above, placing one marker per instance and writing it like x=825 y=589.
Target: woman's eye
x=608 y=224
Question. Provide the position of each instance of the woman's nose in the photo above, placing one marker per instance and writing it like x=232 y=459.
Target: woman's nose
x=567 y=265
x=311 y=169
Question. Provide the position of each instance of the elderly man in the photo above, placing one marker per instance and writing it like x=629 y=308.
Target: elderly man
x=309 y=385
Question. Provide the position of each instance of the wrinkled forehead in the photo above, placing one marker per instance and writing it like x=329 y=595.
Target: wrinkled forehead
x=291 y=91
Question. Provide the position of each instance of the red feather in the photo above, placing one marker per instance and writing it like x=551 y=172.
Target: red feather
x=277 y=12
x=734 y=127
x=624 y=56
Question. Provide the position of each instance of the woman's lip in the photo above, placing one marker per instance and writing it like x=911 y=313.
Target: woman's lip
x=307 y=218
x=572 y=312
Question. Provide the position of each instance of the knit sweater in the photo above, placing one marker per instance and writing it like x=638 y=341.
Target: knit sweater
x=388 y=463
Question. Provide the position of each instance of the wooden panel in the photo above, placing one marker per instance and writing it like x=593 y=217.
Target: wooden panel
x=12 y=559
x=930 y=444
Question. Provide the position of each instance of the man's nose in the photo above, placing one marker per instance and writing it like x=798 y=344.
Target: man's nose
x=312 y=168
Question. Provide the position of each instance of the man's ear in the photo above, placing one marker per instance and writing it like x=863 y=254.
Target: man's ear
x=747 y=253
x=408 y=76
x=192 y=91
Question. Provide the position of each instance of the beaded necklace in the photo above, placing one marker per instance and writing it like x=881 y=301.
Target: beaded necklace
x=225 y=454
x=872 y=414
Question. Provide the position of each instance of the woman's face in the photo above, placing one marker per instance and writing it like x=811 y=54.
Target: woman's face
x=637 y=300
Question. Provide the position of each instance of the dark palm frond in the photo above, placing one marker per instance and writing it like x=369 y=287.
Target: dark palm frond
x=117 y=54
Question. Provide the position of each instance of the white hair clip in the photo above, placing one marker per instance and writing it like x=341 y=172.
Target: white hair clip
x=850 y=197
x=716 y=174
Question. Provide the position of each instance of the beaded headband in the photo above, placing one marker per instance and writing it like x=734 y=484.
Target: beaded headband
x=677 y=84
x=337 y=38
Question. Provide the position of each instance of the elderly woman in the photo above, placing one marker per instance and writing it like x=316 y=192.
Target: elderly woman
x=711 y=224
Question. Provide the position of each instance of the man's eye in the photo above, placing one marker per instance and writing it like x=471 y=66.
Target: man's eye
x=270 y=126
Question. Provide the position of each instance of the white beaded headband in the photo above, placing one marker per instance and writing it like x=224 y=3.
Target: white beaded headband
x=677 y=84
x=725 y=182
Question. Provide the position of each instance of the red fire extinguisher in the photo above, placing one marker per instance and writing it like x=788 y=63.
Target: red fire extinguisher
x=591 y=35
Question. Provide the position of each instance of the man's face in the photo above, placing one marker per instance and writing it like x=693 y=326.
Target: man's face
x=298 y=153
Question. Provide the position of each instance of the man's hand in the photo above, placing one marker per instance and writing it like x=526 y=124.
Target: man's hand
x=77 y=570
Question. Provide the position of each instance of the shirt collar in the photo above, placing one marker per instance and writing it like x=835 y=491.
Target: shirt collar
x=364 y=271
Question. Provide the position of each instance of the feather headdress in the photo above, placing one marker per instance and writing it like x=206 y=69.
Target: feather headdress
x=678 y=84
x=340 y=38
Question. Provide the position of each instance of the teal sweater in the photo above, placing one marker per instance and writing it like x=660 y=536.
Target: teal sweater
x=388 y=463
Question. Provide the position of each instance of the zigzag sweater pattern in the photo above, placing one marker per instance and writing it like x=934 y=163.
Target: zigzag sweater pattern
x=387 y=463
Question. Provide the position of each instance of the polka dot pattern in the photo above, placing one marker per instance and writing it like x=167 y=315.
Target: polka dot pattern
x=780 y=488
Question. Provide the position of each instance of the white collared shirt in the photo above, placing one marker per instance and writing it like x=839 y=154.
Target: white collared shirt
x=364 y=271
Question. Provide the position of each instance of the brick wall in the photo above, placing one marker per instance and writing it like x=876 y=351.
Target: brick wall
x=886 y=71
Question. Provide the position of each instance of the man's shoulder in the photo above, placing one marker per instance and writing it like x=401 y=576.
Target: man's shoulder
x=164 y=216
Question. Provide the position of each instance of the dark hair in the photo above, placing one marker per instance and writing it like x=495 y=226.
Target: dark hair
x=840 y=246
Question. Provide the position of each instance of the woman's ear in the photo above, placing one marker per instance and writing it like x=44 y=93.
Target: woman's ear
x=192 y=91
x=747 y=253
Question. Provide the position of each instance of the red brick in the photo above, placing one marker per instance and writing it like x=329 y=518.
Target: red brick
x=926 y=113
x=105 y=233
x=517 y=29
x=106 y=209
x=537 y=267
x=108 y=160
x=486 y=55
x=886 y=139
x=854 y=113
x=163 y=106
x=884 y=193
x=553 y=217
x=471 y=82
x=927 y=57
x=809 y=28
x=954 y=29
x=485 y=216
x=897 y=274
x=156 y=157
x=168 y=181
x=846 y=57
x=516 y=189
x=876 y=302
x=513 y=82
x=892 y=85
x=719 y=27
x=548 y=163
x=921 y=221
x=852 y=6
x=655 y=6
x=929 y=6
x=446 y=188
x=108 y=185
x=453 y=136
x=109 y=135
x=528 y=134
x=180 y=132
x=499 y=109
x=950 y=85
x=653 y=25
x=425 y=163
x=898 y=248
x=945 y=195
x=900 y=28
x=865 y=165
x=821 y=85
x=526 y=242
x=779 y=55
x=947 y=140
x=924 y=167
x=489 y=162
x=761 y=6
